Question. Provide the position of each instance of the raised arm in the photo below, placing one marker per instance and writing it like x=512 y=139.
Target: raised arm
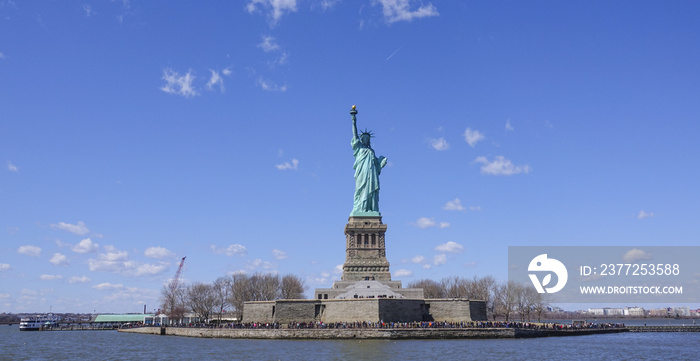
x=353 y=112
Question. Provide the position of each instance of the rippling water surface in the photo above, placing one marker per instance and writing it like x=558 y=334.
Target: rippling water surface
x=112 y=345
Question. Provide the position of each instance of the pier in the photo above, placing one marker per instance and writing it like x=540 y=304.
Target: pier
x=82 y=327
x=79 y=327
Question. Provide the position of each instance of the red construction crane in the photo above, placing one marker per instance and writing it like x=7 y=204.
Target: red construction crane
x=173 y=284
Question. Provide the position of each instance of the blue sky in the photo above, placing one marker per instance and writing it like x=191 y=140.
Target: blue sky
x=134 y=133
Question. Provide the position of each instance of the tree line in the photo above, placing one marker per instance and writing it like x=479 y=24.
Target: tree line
x=503 y=299
x=209 y=301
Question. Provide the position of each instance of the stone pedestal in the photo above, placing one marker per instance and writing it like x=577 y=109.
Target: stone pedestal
x=365 y=250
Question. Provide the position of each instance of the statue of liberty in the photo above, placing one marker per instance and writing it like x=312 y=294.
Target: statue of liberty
x=367 y=169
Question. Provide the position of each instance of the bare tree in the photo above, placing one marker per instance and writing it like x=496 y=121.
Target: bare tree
x=222 y=290
x=484 y=289
x=455 y=287
x=431 y=289
x=539 y=305
x=532 y=298
x=173 y=302
x=240 y=293
x=524 y=299
x=264 y=287
x=292 y=287
x=507 y=299
x=201 y=299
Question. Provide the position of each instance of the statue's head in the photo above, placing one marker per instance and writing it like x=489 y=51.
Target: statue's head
x=365 y=137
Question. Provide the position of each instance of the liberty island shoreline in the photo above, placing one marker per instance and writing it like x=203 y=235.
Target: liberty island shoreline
x=369 y=333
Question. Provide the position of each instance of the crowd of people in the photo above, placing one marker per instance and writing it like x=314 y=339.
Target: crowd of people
x=445 y=324
x=406 y=325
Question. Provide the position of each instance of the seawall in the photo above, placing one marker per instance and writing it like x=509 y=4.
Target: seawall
x=364 y=333
x=676 y=328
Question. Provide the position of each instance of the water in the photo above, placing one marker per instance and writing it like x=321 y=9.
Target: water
x=112 y=345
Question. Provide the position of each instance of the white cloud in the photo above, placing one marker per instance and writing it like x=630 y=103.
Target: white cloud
x=474 y=208
x=427 y=266
x=2 y=56
x=270 y=86
x=145 y=269
x=472 y=137
x=282 y=59
x=178 y=84
x=403 y=273
x=643 y=215
x=76 y=279
x=4 y=295
x=130 y=296
x=317 y=280
x=418 y=259
x=28 y=292
x=79 y=228
x=108 y=286
x=294 y=165
x=11 y=167
x=338 y=269
x=425 y=222
x=85 y=246
x=634 y=255
x=439 y=259
x=509 y=126
x=327 y=4
x=500 y=166
x=453 y=205
x=88 y=10
x=234 y=249
x=215 y=80
x=259 y=264
x=275 y=8
x=158 y=252
x=50 y=277
x=279 y=254
x=268 y=44
x=116 y=261
x=227 y=72
x=28 y=250
x=59 y=259
x=450 y=247
x=439 y=144
x=61 y=244
x=113 y=261
x=400 y=10
x=4 y=266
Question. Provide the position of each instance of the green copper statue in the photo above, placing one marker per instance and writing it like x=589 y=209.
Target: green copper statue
x=367 y=168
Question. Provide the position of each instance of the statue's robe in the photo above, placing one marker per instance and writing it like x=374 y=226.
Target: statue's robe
x=367 y=168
